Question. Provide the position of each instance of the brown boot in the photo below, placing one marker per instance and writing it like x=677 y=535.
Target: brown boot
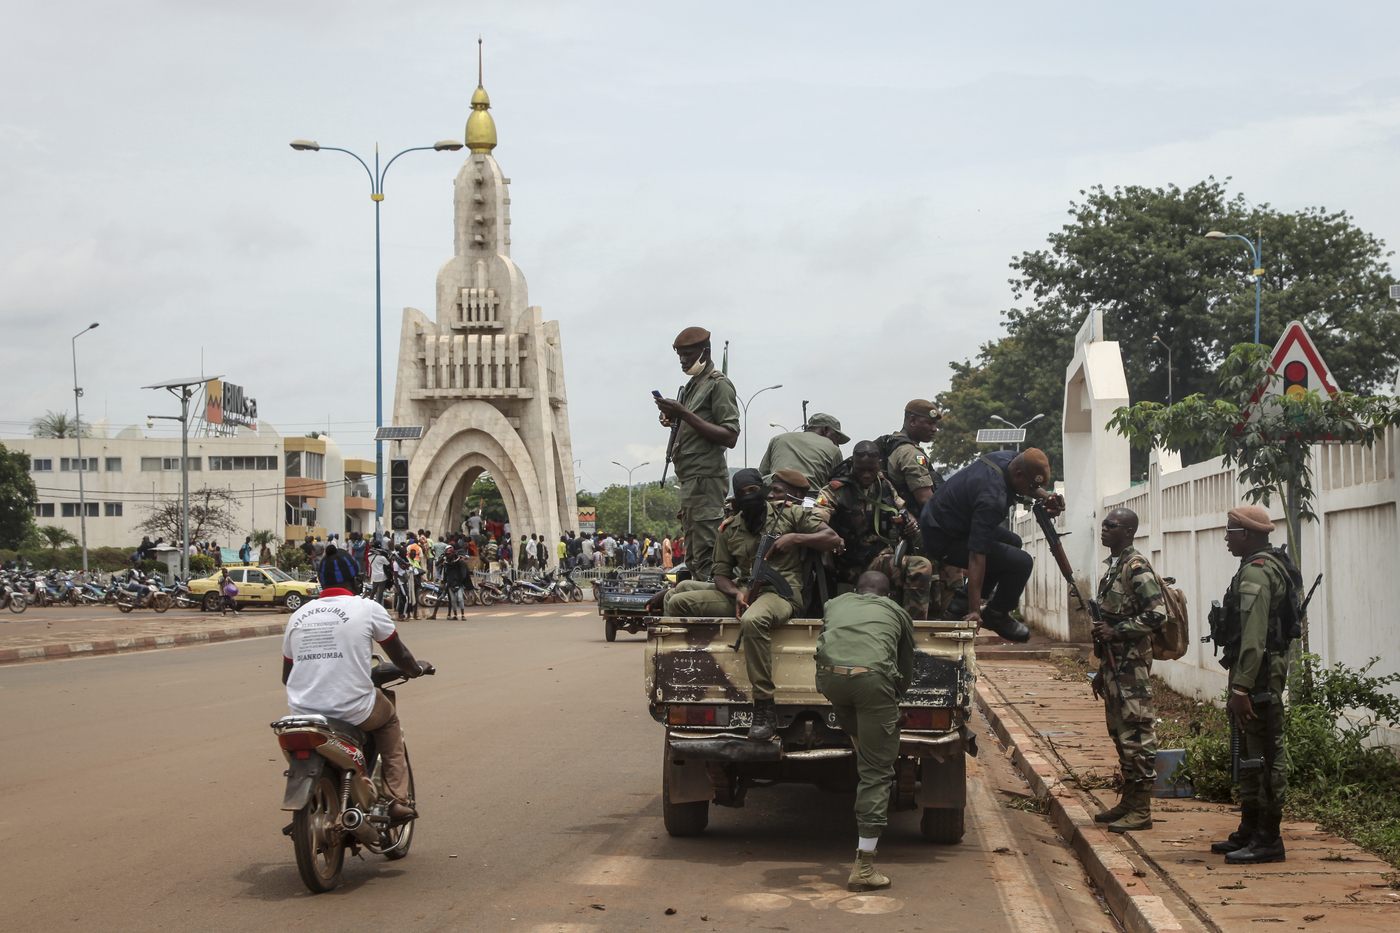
x=1139 y=815
x=864 y=877
x=1120 y=809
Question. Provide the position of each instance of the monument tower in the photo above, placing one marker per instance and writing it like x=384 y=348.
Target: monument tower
x=486 y=378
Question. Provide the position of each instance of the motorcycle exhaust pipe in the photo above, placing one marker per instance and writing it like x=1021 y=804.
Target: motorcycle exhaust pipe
x=353 y=821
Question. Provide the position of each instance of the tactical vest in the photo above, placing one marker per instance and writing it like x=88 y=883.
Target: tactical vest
x=888 y=444
x=1285 y=623
x=863 y=540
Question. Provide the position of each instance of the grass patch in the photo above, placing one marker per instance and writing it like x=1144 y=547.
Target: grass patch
x=1039 y=805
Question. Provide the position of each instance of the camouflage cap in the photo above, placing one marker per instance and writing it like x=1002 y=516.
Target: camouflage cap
x=792 y=478
x=823 y=420
x=1250 y=517
x=1037 y=465
x=923 y=408
x=690 y=337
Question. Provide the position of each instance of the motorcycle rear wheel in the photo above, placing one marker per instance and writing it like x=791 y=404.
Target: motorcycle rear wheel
x=160 y=601
x=319 y=859
x=124 y=606
x=516 y=596
x=18 y=603
x=404 y=832
x=487 y=598
x=576 y=593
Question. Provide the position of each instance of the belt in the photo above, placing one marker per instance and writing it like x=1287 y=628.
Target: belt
x=838 y=669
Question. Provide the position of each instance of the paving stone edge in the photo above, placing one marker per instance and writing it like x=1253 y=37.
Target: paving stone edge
x=1142 y=912
x=81 y=649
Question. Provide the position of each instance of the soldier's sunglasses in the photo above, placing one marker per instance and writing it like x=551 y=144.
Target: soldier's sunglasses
x=1109 y=524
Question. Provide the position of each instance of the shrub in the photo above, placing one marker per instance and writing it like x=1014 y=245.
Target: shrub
x=291 y=557
x=201 y=564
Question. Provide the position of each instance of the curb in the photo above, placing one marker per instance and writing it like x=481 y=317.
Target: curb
x=82 y=649
x=1139 y=910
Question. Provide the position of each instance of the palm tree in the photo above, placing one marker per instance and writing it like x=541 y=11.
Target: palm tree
x=56 y=537
x=58 y=424
x=265 y=536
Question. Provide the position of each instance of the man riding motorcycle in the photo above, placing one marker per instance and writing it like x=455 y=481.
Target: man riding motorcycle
x=326 y=667
x=136 y=583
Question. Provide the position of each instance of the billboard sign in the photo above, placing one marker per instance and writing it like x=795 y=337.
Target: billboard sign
x=225 y=403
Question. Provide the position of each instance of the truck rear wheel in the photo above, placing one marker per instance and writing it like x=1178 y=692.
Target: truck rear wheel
x=610 y=628
x=681 y=819
x=943 y=825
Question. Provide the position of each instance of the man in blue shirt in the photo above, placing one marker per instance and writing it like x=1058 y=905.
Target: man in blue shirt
x=962 y=526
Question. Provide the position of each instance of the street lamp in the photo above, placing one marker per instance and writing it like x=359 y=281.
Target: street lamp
x=774 y=424
x=183 y=390
x=746 y=419
x=1019 y=427
x=376 y=194
x=629 y=491
x=78 y=417
x=1169 y=364
x=1256 y=249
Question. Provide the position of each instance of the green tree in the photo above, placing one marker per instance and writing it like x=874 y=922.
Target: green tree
x=58 y=424
x=17 y=498
x=653 y=510
x=266 y=536
x=56 y=537
x=486 y=497
x=1140 y=254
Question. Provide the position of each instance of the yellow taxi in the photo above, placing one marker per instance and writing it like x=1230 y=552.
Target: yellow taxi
x=257 y=586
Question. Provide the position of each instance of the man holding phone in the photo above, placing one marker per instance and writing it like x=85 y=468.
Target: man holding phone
x=708 y=415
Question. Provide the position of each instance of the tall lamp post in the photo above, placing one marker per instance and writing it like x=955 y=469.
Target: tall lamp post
x=774 y=424
x=1169 y=364
x=78 y=417
x=1019 y=427
x=746 y=419
x=183 y=389
x=376 y=194
x=629 y=491
x=1257 y=249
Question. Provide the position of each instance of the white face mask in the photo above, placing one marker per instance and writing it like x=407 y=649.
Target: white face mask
x=697 y=367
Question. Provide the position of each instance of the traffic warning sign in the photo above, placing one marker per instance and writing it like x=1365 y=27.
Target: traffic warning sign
x=1296 y=360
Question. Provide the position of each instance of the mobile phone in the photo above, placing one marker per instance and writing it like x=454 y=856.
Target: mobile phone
x=656 y=393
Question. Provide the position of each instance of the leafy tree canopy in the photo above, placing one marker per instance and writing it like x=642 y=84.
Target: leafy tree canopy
x=485 y=498
x=1140 y=254
x=17 y=498
x=56 y=536
x=653 y=510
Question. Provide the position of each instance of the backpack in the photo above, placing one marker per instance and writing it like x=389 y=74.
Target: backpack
x=888 y=444
x=1171 y=639
x=1290 y=610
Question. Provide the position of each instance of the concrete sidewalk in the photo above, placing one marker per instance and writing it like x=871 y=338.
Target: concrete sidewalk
x=1167 y=879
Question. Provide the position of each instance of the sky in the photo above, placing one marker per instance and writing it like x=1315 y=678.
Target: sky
x=835 y=189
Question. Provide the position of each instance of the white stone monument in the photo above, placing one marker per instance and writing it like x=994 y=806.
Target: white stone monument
x=486 y=379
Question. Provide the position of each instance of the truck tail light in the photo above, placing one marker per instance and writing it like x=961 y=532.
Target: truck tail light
x=692 y=715
x=301 y=741
x=923 y=717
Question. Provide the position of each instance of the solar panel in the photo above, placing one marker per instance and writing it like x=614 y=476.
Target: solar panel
x=1395 y=291
x=397 y=432
x=1001 y=436
x=176 y=383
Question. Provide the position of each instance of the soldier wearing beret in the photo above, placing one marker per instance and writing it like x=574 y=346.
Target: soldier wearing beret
x=962 y=526
x=1258 y=666
x=708 y=412
x=814 y=451
x=906 y=464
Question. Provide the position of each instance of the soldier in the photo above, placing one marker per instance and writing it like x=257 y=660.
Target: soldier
x=862 y=508
x=708 y=412
x=905 y=463
x=865 y=659
x=727 y=596
x=1133 y=609
x=962 y=526
x=806 y=451
x=1259 y=665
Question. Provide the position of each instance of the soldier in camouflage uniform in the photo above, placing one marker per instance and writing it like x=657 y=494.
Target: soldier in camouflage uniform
x=1133 y=608
x=862 y=507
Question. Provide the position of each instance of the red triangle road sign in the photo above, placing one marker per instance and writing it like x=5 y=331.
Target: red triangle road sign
x=1296 y=359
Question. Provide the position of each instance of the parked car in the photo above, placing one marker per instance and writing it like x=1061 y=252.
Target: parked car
x=257 y=586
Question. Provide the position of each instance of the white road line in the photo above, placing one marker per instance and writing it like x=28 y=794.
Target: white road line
x=565 y=928
x=536 y=615
x=574 y=615
x=1021 y=902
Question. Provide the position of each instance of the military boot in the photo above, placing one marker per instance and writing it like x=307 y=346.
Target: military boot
x=864 y=876
x=765 y=720
x=1004 y=625
x=957 y=606
x=1249 y=822
x=1266 y=845
x=1120 y=809
x=1139 y=815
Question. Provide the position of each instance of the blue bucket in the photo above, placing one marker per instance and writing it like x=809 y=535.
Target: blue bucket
x=1168 y=761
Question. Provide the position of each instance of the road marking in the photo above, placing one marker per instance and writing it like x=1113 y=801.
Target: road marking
x=1022 y=903
x=502 y=615
x=565 y=928
x=536 y=615
x=610 y=870
x=574 y=615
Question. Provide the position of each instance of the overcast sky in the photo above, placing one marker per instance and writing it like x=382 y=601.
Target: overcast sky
x=836 y=189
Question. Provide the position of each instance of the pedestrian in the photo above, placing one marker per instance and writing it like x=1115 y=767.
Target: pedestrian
x=229 y=589
x=245 y=553
x=378 y=574
x=708 y=417
x=865 y=660
x=667 y=554
x=1133 y=608
x=265 y=554
x=1260 y=618
x=585 y=551
x=439 y=549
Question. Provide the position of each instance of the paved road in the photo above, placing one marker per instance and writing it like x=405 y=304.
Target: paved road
x=143 y=793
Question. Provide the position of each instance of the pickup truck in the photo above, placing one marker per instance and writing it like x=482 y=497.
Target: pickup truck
x=698 y=690
x=623 y=602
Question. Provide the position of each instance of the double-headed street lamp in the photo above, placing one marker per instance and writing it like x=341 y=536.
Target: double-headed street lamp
x=78 y=420
x=746 y=419
x=376 y=194
x=1019 y=427
x=629 y=491
x=1257 y=250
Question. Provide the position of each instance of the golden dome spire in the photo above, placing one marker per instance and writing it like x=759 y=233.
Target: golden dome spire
x=481 y=129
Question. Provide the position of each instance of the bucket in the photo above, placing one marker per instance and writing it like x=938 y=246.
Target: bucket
x=1168 y=761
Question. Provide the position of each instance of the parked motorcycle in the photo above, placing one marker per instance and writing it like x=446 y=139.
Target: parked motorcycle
x=489 y=593
x=335 y=790
x=155 y=598
x=184 y=598
x=12 y=597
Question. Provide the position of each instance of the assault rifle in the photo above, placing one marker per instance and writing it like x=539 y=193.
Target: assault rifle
x=762 y=572
x=671 y=443
x=1052 y=540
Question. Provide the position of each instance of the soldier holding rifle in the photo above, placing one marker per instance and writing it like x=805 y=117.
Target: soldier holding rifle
x=1130 y=608
x=705 y=423
x=760 y=589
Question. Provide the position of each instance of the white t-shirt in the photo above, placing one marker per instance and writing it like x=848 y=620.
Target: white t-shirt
x=378 y=568
x=329 y=642
x=474 y=523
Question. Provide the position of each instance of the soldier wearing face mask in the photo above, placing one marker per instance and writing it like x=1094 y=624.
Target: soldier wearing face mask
x=708 y=413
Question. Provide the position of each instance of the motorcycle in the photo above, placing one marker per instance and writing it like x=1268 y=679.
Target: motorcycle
x=489 y=593
x=155 y=598
x=335 y=790
x=525 y=591
x=564 y=589
x=12 y=597
x=429 y=594
x=184 y=598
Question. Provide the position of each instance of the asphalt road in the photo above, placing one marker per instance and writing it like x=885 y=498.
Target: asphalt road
x=143 y=794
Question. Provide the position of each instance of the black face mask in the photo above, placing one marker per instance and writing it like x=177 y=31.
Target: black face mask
x=754 y=508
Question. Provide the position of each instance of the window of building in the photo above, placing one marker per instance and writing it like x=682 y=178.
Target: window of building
x=315 y=466
x=38 y=465
x=293 y=461
x=114 y=465
x=70 y=509
x=150 y=464
x=72 y=465
x=242 y=463
x=43 y=510
x=168 y=464
x=112 y=509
